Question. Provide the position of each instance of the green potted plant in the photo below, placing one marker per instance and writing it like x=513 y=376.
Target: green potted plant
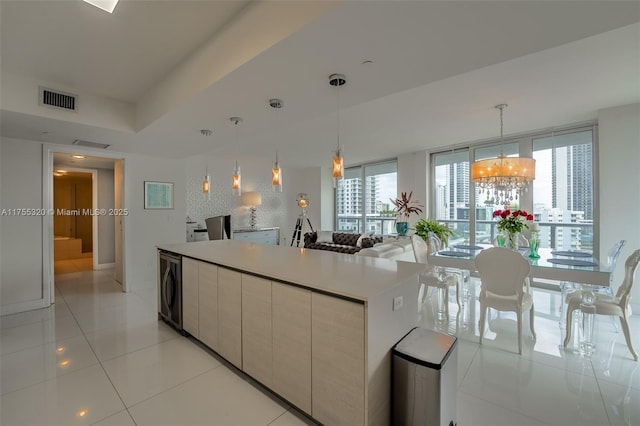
x=405 y=207
x=424 y=226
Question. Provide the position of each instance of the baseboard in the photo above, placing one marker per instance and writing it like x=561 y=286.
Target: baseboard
x=101 y=266
x=16 y=308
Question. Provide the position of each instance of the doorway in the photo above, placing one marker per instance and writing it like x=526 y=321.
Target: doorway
x=74 y=202
x=108 y=193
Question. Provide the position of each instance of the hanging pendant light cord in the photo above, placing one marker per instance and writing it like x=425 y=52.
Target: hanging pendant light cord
x=338 y=115
x=501 y=107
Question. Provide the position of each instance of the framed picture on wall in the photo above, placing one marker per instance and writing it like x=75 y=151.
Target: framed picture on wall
x=158 y=195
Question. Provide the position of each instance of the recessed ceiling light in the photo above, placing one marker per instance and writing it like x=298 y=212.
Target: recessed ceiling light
x=106 y=5
x=206 y=132
x=367 y=62
x=82 y=412
x=79 y=157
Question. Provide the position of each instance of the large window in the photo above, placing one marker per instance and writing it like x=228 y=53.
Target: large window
x=563 y=189
x=363 y=198
x=452 y=203
x=561 y=197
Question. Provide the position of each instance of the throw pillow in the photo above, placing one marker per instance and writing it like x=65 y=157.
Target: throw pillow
x=325 y=237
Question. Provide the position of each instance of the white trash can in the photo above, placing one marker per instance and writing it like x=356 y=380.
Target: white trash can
x=425 y=365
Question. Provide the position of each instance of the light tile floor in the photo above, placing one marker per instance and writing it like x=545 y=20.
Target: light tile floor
x=99 y=356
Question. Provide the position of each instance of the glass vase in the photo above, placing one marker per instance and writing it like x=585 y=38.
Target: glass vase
x=402 y=228
x=534 y=245
x=512 y=240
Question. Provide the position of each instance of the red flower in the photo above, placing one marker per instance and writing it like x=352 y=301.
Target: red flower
x=497 y=213
x=529 y=217
x=504 y=214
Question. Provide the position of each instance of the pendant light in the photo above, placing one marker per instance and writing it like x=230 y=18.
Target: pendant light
x=276 y=172
x=236 y=179
x=206 y=182
x=337 y=80
x=503 y=175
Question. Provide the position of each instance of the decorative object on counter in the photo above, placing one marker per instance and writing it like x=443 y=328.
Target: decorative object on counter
x=424 y=226
x=252 y=199
x=236 y=179
x=337 y=80
x=276 y=172
x=206 y=182
x=503 y=175
x=534 y=241
x=511 y=224
x=405 y=207
x=302 y=199
x=158 y=195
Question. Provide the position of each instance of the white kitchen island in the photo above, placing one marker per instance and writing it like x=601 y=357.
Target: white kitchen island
x=316 y=327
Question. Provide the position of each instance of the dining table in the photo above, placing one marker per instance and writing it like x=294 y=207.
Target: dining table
x=559 y=265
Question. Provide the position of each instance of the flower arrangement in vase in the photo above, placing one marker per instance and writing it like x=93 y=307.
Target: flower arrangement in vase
x=405 y=207
x=511 y=224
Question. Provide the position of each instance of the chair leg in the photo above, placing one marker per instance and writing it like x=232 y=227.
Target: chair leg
x=519 y=315
x=627 y=336
x=458 y=291
x=569 y=326
x=483 y=313
x=531 y=317
x=446 y=300
x=421 y=296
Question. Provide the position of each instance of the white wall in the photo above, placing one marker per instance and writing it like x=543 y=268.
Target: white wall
x=145 y=229
x=276 y=208
x=412 y=176
x=21 y=236
x=619 y=160
x=92 y=110
x=106 y=224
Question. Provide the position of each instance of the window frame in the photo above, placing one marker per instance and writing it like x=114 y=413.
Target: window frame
x=363 y=189
x=525 y=147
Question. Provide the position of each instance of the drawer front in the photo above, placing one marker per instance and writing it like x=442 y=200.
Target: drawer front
x=268 y=236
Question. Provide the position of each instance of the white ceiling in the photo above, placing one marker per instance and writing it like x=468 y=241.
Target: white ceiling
x=437 y=70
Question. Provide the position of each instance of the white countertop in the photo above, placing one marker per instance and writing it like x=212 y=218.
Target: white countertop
x=356 y=277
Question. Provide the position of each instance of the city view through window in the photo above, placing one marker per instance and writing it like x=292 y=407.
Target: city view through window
x=363 y=199
x=561 y=199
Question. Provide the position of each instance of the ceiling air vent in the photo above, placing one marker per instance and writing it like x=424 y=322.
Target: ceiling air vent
x=88 y=144
x=58 y=99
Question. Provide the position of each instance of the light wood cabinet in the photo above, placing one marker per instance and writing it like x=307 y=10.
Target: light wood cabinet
x=291 y=311
x=208 y=304
x=230 y=316
x=338 y=360
x=257 y=348
x=190 y=296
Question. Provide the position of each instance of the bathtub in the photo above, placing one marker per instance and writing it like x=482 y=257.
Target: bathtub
x=66 y=247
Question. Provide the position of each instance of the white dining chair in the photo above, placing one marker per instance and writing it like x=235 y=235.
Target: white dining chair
x=617 y=305
x=433 y=276
x=503 y=286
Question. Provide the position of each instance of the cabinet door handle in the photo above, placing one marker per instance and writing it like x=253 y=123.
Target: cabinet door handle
x=164 y=285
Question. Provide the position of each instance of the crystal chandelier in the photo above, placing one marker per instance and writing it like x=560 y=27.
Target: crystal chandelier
x=502 y=176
